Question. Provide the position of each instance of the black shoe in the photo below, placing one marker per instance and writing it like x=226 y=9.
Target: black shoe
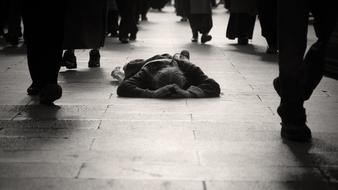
x=113 y=34
x=194 y=37
x=205 y=38
x=184 y=19
x=69 y=60
x=242 y=41
x=300 y=133
x=144 y=18
x=132 y=37
x=124 y=40
x=94 y=58
x=185 y=53
x=49 y=93
x=33 y=90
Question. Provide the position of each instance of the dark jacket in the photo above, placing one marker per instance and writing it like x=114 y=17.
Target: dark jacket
x=85 y=24
x=139 y=76
x=243 y=6
x=158 y=4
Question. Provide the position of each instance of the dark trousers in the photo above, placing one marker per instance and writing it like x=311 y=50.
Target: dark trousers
x=267 y=14
x=143 y=8
x=3 y=15
x=44 y=39
x=299 y=75
x=213 y=3
x=112 y=21
x=200 y=23
x=128 y=12
x=14 y=18
x=240 y=25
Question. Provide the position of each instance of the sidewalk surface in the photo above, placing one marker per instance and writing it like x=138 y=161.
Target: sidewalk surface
x=95 y=140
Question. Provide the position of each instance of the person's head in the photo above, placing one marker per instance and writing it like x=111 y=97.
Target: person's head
x=167 y=76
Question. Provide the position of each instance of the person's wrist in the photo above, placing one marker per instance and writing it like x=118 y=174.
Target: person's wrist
x=148 y=93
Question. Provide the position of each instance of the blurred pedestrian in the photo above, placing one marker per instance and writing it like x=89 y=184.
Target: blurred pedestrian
x=3 y=16
x=298 y=74
x=142 y=10
x=112 y=19
x=85 y=28
x=128 y=23
x=44 y=48
x=14 y=18
x=200 y=19
x=242 y=20
x=180 y=11
x=267 y=14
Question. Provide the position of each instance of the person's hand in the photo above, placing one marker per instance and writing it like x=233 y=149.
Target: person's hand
x=163 y=92
x=180 y=93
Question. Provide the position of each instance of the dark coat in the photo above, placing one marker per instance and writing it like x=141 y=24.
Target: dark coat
x=243 y=6
x=112 y=5
x=179 y=6
x=85 y=24
x=139 y=77
x=158 y=4
x=200 y=7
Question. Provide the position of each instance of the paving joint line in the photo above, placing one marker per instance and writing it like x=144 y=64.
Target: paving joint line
x=91 y=144
x=99 y=127
x=25 y=106
x=79 y=172
x=204 y=185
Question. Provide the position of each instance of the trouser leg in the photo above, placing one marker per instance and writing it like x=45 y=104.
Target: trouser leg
x=14 y=18
x=313 y=65
x=44 y=52
x=293 y=37
x=267 y=14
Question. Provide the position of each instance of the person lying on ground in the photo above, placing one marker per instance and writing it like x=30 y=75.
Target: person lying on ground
x=165 y=76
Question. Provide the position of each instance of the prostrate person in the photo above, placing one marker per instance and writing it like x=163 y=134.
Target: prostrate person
x=166 y=76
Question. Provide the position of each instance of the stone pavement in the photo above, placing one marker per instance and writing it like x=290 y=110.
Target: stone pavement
x=95 y=140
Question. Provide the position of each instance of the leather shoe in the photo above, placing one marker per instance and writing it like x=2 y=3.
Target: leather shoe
x=94 y=58
x=69 y=60
x=49 y=93
x=299 y=133
x=205 y=38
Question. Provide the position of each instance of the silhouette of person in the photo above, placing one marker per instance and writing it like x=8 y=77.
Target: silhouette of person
x=44 y=48
x=299 y=75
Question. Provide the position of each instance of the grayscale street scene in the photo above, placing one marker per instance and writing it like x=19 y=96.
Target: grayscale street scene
x=92 y=139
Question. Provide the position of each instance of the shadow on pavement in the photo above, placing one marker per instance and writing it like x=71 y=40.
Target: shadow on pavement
x=311 y=158
x=252 y=50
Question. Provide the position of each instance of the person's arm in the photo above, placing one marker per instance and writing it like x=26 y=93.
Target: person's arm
x=134 y=86
x=137 y=86
x=201 y=85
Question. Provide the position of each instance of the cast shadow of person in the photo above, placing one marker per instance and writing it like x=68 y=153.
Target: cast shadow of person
x=35 y=111
x=313 y=159
x=255 y=50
